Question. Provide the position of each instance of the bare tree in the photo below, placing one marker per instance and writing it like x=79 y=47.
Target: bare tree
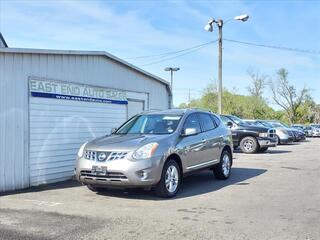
x=258 y=83
x=287 y=96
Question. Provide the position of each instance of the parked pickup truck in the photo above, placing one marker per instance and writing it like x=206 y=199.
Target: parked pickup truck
x=250 y=139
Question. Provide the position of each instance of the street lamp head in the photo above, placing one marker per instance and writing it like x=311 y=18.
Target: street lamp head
x=209 y=26
x=172 y=69
x=243 y=17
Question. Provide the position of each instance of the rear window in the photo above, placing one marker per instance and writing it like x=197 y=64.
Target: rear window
x=207 y=122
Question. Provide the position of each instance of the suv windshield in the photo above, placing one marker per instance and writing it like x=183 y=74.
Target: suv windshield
x=285 y=125
x=237 y=120
x=150 y=124
x=266 y=124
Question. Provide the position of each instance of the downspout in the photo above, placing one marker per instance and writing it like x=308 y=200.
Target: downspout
x=170 y=103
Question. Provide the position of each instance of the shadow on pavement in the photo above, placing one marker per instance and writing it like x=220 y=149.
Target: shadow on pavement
x=47 y=187
x=275 y=151
x=195 y=184
x=269 y=151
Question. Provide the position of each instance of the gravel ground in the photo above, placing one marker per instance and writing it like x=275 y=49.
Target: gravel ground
x=275 y=195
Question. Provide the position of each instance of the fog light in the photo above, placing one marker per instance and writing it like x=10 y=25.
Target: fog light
x=143 y=174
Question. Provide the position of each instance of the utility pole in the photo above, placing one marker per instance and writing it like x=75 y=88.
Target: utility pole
x=171 y=69
x=220 y=25
x=209 y=28
x=189 y=98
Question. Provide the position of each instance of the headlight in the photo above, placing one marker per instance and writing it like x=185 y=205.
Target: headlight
x=283 y=131
x=81 y=149
x=145 y=151
x=263 y=134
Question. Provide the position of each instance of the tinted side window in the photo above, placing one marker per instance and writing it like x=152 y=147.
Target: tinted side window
x=192 y=122
x=206 y=122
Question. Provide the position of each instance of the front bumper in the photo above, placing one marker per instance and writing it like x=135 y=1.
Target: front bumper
x=286 y=140
x=299 y=138
x=267 y=142
x=120 y=173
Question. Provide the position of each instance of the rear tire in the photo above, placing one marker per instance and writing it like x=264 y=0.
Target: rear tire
x=223 y=169
x=249 y=145
x=170 y=181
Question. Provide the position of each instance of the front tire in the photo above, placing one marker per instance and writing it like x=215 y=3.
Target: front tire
x=170 y=181
x=223 y=169
x=249 y=145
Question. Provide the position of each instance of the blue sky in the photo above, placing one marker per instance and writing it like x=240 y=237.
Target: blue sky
x=136 y=28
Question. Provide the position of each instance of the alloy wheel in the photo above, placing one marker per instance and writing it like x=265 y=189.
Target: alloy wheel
x=226 y=165
x=172 y=179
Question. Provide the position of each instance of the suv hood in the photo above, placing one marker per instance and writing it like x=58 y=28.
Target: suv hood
x=126 y=142
x=254 y=128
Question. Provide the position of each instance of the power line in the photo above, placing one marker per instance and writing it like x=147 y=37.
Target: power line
x=166 y=56
x=275 y=47
x=180 y=55
x=172 y=52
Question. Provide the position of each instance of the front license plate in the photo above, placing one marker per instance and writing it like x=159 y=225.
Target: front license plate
x=99 y=170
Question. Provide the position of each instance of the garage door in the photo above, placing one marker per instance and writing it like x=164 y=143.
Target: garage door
x=57 y=129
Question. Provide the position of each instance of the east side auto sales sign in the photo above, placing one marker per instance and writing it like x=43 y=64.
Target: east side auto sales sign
x=75 y=92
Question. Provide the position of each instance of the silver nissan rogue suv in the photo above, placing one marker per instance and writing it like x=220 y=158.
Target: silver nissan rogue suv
x=155 y=149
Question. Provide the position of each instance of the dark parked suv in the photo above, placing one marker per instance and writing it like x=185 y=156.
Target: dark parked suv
x=250 y=139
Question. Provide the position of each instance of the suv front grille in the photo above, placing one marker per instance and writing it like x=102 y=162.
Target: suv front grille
x=90 y=155
x=290 y=133
x=272 y=133
x=93 y=155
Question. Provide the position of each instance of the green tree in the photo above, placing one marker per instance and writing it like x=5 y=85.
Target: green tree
x=233 y=103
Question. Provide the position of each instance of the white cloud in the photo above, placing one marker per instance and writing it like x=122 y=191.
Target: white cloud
x=88 y=24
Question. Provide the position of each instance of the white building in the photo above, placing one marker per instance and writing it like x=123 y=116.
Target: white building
x=51 y=101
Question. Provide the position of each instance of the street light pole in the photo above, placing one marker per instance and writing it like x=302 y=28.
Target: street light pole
x=220 y=25
x=171 y=82
x=209 y=28
x=171 y=69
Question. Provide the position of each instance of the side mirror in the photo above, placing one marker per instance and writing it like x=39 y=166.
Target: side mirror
x=113 y=130
x=189 y=132
x=229 y=124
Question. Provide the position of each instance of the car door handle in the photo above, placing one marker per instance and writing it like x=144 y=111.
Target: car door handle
x=203 y=141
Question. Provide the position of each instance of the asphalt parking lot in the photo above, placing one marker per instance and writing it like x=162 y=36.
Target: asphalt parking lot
x=275 y=195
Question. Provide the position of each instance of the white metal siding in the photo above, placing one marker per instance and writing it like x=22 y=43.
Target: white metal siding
x=14 y=172
x=135 y=107
x=16 y=68
x=59 y=127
